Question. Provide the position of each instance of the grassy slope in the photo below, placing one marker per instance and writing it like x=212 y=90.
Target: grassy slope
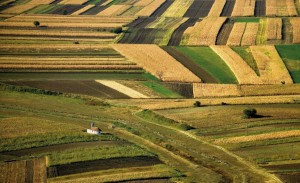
x=291 y=57
x=211 y=62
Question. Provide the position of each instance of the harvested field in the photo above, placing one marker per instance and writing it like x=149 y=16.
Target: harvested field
x=105 y=164
x=199 y=8
x=204 y=32
x=260 y=8
x=151 y=8
x=236 y=34
x=66 y=9
x=217 y=8
x=159 y=11
x=178 y=8
x=296 y=29
x=114 y=10
x=235 y=62
x=157 y=62
x=142 y=3
x=73 y=2
x=215 y=90
x=17 y=9
x=85 y=87
x=250 y=33
x=191 y=65
x=274 y=29
x=224 y=33
x=122 y=89
x=177 y=34
x=260 y=90
x=271 y=68
x=94 y=10
x=228 y=8
x=84 y=9
x=280 y=8
x=243 y=8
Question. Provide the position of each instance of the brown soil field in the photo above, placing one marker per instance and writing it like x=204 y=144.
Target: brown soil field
x=260 y=8
x=90 y=88
x=66 y=9
x=184 y=89
x=199 y=8
x=94 y=10
x=104 y=164
x=191 y=65
x=224 y=33
x=151 y=8
x=283 y=166
x=290 y=177
x=177 y=34
x=228 y=8
x=158 y=12
x=149 y=181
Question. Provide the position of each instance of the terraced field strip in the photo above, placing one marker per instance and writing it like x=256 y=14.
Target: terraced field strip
x=236 y=34
x=142 y=3
x=204 y=32
x=159 y=11
x=17 y=9
x=260 y=8
x=54 y=46
x=122 y=89
x=199 y=8
x=155 y=60
x=246 y=75
x=243 y=8
x=73 y=2
x=281 y=8
x=271 y=68
x=274 y=28
x=296 y=29
x=260 y=90
x=250 y=33
x=215 y=90
x=217 y=8
x=114 y=10
x=151 y=8
x=178 y=8
x=228 y=8
x=84 y=9
x=224 y=32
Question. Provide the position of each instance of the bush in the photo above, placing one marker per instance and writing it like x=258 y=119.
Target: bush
x=250 y=113
x=118 y=30
x=197 y=104
x=36 y=23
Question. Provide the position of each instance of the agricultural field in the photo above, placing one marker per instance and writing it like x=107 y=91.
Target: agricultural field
x=176 y=90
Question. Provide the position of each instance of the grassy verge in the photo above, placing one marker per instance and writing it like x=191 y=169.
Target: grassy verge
x=157 y=87
x=261 y=37
x=210 y=62
x=247 y=19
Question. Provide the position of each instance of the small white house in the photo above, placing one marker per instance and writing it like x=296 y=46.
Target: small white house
x=94 y=130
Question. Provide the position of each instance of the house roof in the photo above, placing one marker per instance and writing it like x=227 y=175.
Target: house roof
x=95 y=129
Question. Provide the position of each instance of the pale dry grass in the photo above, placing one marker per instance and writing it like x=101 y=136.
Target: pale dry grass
x=250 y=33
x=236 y=34
x=291 y=7
x=87 y=7
x=266 y=136
x=24 y=7
x=254 y=90
x=217 y=8
x=205 y=32
x=143 y=3
x=73 y=2
x=114 y=10
x=122 y=89
x=243 y=8
x=243 y=72
x=106 y=2
x=156 y=61
x=55 y=46
x=296 y=29
x=150 y=9
x=215 y=90
x=49 y=59
x=280 y=8
x=178 y=8
x=274 y=28
x=271 y=67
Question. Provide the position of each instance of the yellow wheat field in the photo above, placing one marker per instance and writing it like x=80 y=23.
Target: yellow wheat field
x=205 y=32
x=217 y=8
x=215 y=90
x=271 y=67
x=178 y=8
x=274 y=28
x=280 y=8
x=236 y=34
x=156 y=61
x=122 y=88
x=266 y=136
x=250 y=33
x=114 y=10
x=142 y=3
x=255 y=90
x=73 y=2
x=84 y=9
x=243 y=8
x=243 y=72
x=149 y=9
x=24 y=7
x=296 y=29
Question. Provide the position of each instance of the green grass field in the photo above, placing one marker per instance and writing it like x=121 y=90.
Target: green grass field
x=247 y=19
x=211 y=62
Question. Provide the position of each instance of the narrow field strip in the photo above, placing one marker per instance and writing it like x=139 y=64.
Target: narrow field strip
x=266 y=136
x=243 y=8
x=250 y=33
x=122 y=88
x=281 y=8
x=73 y=2
x=178 y=8
x=236 y=34
x=296 y=29
x=271 y=67
x=217 y=8
x=244 y=76
x=114 y=10
x=215 y=90
x=143 y=3
x=274 y=28
x=87 y=7
x=24 y=7
x=155 y=60
x=151 y=8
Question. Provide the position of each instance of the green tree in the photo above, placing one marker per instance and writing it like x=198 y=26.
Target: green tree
x=36 y=23
x=250 y=113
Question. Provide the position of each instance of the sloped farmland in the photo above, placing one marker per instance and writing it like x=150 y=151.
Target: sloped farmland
x=260 y=8
x=228 y=8
x=199 y=8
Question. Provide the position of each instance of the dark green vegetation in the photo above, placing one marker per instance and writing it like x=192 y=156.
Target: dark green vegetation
x=290 y=54
x=246 y=54
x=247 y=19
x=210 y=62
x=157 y=87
